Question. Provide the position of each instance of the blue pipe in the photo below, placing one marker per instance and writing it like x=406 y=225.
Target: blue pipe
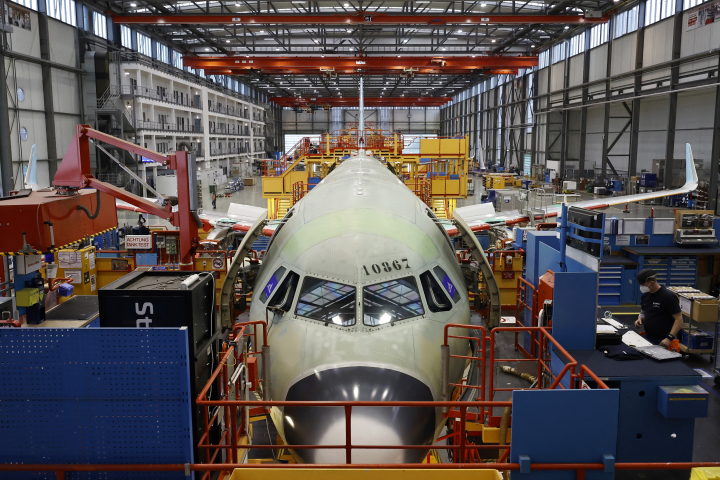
x=563 y=236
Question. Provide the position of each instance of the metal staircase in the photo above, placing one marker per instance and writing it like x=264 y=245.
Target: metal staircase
x=284 y=204
x=439 y=208
x=110 y=104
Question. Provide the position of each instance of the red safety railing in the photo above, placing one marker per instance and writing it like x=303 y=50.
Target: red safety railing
x=299 y=190
x=275 y=168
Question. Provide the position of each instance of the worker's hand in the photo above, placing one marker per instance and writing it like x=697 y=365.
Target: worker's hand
x=665 y=343
x=638 y=322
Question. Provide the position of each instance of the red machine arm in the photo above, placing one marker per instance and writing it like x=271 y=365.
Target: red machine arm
x=74 y=173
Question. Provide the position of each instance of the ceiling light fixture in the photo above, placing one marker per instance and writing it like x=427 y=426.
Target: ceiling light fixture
x=566 y=27
x=492 y=41
x=133 y=5
x=207 y=49
x=227 y=41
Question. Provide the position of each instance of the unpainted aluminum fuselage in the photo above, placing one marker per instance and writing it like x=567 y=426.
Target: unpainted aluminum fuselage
x=355 y=228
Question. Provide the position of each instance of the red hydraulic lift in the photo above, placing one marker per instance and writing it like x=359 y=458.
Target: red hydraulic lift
x=74 y=174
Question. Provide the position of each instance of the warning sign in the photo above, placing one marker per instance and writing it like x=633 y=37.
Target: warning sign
x=218 y=264
x=138 y=242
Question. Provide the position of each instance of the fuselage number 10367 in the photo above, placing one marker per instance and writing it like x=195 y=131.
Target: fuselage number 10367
x=387 y=267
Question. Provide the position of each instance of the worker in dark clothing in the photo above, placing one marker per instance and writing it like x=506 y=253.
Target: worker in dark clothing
x=660 y=310
x=214 y=200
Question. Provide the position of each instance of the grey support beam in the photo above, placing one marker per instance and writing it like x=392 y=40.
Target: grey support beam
x=565 y=127
x=583 y=110
x=673 y=97
x=50 y=138
x=637 y=90
x=6 y=173
x=715 y=155
x=606 y=121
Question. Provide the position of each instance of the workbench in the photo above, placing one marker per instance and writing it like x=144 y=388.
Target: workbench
x=77 y=312
x=644 y=434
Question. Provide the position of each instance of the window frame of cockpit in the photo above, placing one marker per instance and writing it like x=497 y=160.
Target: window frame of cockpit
x=301 y=284
x=418 y=288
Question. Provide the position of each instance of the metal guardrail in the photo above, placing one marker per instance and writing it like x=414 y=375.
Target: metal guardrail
x=168 y=127
x=135 y=57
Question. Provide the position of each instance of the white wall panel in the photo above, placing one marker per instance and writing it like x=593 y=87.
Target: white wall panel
x=66 y=97
x=65 y=126
x=556 y=78
x=543 y=80
x=28 y=76
x=658 y=47
x=26 y=41
x=623 y=58
x=654 y=113
x=34 y=123
x=576 y=69
x=699 y=40
x=652 y=146
x=63 y=42
x=595 y=122
x=598 y=66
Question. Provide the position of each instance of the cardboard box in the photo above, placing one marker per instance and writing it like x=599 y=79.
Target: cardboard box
x=249 y=182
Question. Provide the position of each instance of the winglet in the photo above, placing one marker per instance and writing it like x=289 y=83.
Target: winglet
x=30 y=179
x=691 y=176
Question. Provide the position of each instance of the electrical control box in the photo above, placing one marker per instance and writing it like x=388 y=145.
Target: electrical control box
x=25 y=264
x=160 y=242
x=171 y=245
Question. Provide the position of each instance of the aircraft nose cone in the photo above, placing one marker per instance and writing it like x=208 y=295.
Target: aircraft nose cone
x=370 y=425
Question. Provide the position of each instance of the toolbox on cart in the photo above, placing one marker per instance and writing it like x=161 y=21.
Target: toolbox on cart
x=698 y=340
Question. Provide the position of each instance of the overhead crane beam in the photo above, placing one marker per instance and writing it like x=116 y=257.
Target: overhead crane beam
x=315 y=71
x=395 y=63
x=364 y=18
x=368 y=101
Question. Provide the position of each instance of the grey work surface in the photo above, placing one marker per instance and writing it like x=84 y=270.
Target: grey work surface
x=673 y=250
x=605 y=367
x=79 y=307
x=616 y=260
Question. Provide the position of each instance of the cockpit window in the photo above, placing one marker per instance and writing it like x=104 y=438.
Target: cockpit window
x=327 y=301
x=447 y=283
x=391 y=301
x=272 y=284
x=435 y=296
x=283 y=298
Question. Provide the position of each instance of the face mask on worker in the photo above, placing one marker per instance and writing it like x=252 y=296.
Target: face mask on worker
x=644 y=289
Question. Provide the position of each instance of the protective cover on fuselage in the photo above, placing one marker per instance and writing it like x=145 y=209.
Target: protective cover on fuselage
x=360 y=230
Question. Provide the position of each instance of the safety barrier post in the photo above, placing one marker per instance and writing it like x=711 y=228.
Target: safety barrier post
x=445 y=373
x=461 y=450
x=348 y=434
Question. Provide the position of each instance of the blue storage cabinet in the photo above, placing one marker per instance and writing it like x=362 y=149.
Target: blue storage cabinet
x=617 y=281
x=610 y=285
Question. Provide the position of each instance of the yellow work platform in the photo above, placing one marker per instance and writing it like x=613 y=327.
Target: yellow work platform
x=705 y=473
x=362 y=474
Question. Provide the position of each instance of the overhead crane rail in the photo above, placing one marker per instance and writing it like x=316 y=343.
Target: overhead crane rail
x=360 y=18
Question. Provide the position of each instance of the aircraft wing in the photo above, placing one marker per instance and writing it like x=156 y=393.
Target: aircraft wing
x=483 y=216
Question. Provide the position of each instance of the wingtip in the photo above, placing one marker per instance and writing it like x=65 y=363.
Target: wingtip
x=691 y=176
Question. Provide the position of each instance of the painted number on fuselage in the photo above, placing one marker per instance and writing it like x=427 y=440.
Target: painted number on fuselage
x=387 y=267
